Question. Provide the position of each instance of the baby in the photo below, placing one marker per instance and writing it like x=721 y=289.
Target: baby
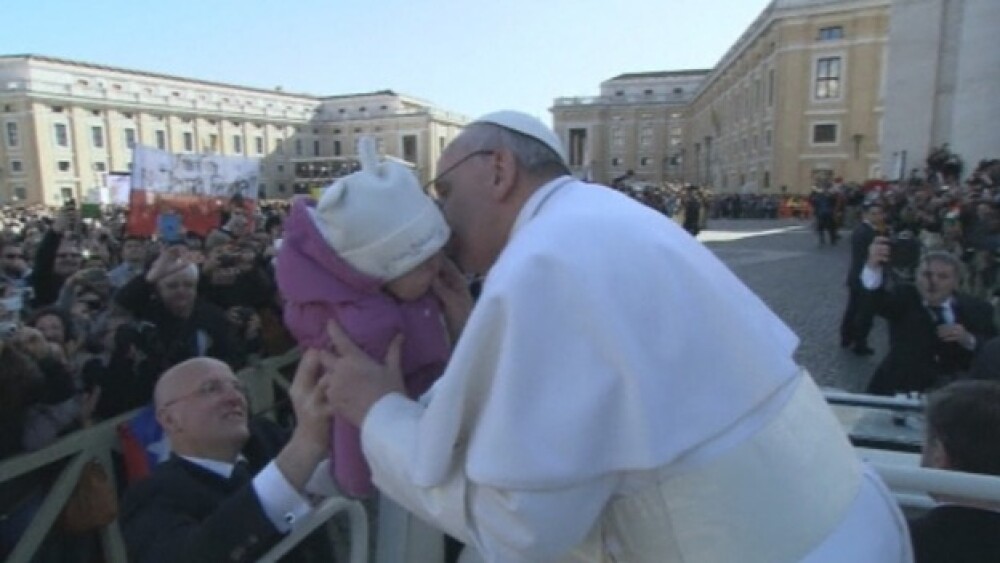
x=366 y=255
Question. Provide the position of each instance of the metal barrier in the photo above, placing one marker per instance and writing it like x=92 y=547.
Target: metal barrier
x=894 y=426
x=98 y=441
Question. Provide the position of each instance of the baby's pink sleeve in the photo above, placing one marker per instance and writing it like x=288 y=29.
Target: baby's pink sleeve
x=307 y=322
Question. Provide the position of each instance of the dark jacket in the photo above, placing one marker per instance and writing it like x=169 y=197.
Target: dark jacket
x=183 y=513
x=917 y=358
x=174 y=339
x=861 y=238
x=956 y=534
x=43 y=278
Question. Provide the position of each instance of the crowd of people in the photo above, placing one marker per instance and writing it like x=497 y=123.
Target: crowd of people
x=640 y=461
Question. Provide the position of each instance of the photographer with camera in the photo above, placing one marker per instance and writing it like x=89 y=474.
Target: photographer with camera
x=934 y=331
x=184 y=325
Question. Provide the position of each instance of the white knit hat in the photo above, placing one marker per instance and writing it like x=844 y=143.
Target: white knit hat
x=378 y=219
x=526 y=125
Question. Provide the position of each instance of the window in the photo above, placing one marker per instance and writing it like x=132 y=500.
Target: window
x=100 y=167
x=188 y=141
x=281 y=168
x=259 y=144
x=646 y=136
x=316 y=148
x=97 y=136
x=831 y=33
x=644 y=161
x=213 y=142
x=64 y=166
x=410 y=148
x=824 y=133
x=237 y=144
x=767 y=138
x=616 y=162
x=161 y=140
x=12 y=137
x=767 y=179
x=130 y=137
x=620 y=93
x=298 y=147
x=770 y=88
x=20 y=193
x=279 y=146
x=57 y=109
x=648 y=92
x=7 y=108
x=281 y=188
x=16 y=167
x=678 y=91
x=577 y=146
x=62 y=136
x=828 y=78
x=617 y=138
x=336 y=148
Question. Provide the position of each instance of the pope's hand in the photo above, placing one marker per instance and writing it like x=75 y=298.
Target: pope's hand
x=355 y=380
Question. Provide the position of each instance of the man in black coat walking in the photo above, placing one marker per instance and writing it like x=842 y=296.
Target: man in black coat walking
x=858 y=316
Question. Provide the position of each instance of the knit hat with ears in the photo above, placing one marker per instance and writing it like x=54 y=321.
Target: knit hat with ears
x=378 y=219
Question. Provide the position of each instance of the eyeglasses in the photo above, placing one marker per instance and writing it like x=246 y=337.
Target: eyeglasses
x=458 y=163
x=211 y=389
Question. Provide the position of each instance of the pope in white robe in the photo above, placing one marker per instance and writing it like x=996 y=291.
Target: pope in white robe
x=616 y=394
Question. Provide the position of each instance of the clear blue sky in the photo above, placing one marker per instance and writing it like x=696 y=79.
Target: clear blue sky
x=466 y=56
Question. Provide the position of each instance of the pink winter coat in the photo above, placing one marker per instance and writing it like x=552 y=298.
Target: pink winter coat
x=318 y=286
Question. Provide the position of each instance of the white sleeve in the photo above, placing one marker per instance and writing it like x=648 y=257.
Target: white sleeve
x=282 y=504
x=871 y=278
x=503 y=525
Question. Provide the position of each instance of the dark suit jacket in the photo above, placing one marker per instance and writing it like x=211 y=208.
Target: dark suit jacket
x=861 y=238
x=184 y=513
x=956 y=534
x=917 y=358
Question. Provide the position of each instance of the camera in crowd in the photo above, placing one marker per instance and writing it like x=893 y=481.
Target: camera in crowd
x=141 y=335
x=904 y=252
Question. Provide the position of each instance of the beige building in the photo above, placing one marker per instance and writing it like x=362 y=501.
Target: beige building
x=797 y=99
x=636 y=124
x=66 y=124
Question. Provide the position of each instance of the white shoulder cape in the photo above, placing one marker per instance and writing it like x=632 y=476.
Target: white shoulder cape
x=605 y=339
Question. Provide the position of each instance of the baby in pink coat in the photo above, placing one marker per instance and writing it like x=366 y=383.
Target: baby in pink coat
x=366 y=255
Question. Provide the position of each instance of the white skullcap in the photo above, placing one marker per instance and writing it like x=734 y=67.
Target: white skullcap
x=526 y=125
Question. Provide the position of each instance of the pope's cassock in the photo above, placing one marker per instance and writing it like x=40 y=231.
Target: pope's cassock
x=619 y=395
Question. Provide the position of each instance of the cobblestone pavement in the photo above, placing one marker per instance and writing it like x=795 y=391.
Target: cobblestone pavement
x=782 y=262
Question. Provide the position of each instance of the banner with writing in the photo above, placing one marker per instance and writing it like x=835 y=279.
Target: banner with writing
x=198 y=187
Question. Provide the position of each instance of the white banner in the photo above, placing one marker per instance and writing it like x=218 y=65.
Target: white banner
x=204 y=175
x=118 y=187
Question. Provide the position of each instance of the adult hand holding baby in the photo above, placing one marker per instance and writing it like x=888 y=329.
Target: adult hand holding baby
x=355 y=380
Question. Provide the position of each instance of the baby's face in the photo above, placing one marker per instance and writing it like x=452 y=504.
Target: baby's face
x=415 y=283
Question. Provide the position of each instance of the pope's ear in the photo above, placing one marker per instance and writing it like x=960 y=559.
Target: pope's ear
x=504 y=169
